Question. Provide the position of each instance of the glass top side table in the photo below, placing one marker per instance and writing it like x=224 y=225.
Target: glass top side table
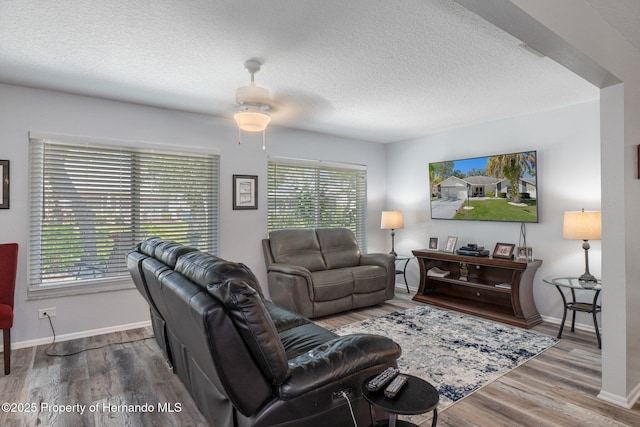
x=573 y=284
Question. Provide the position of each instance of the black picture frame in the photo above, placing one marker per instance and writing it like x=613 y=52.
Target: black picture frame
x=504 y=250
x=433 y=244
x=4 y=188
x=245 y=192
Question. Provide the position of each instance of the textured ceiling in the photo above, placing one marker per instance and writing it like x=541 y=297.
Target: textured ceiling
x=623 y=15
x=377 y=70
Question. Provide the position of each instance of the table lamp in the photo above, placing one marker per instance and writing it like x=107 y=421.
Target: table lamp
x=392 y=220
x=583 y=226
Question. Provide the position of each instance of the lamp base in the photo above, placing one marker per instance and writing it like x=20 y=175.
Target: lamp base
x=587 y=277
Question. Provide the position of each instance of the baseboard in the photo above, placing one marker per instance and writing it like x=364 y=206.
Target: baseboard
x=81 y=334
x=625 y=402
x=579 y=326
x=633 y=397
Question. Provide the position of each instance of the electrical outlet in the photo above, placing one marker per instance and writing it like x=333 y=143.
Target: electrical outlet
x=44 y=312
x=338 y=394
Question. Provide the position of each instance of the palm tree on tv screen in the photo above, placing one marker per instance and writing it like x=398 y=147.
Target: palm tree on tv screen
x=512 y=167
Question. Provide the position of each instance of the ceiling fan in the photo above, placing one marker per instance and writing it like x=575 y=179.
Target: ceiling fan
x=254 y=102
x=257 y=106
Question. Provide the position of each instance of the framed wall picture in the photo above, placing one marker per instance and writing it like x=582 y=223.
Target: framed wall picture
x=433 y=244
x=504 y=250
x=245 y=192
x=451 y=244
x=4 y=188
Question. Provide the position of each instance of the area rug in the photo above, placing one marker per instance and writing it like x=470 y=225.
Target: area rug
x=455 y=352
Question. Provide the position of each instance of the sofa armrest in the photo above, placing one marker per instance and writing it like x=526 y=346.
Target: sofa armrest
x=387 y=261
x=337 y=359
x=294 y=270
x=291 y=286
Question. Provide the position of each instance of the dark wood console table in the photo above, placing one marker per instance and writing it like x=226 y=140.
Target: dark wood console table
x=493 y=288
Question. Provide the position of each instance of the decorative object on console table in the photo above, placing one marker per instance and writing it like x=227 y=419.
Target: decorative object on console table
x=245 y=192
x=522 y=254
x=433 y=244
x=435 y=271
x=4 y=188
x=583 y=226
x=478 y=294
x=392 y=220
x=503 y=250
x=464 y=271
x=451 y=244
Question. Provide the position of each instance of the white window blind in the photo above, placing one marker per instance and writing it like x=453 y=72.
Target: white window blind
x=316 y=194
x=90 y=205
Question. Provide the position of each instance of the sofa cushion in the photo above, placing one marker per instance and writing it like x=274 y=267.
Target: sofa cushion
x=168 y=252
x=206 y=269
x=303 y=338
x=284 y=319
x=332 y=284
x=148 y=247
x=298 y=247
x=368 y=278
x=250 y=316
x=339 y=247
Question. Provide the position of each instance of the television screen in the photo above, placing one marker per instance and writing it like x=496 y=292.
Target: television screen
x=493 y=188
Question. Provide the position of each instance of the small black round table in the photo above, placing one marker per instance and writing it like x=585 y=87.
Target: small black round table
x=416 y=397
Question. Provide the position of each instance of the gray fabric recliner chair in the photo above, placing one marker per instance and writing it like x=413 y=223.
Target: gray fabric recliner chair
x=317 y=272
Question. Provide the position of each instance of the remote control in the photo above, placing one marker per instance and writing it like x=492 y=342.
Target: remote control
x=382 y=379
x=396 y=385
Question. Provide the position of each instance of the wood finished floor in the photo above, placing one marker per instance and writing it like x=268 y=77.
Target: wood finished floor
x=557 y=388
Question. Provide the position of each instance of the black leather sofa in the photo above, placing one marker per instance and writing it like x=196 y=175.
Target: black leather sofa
x=245 y=360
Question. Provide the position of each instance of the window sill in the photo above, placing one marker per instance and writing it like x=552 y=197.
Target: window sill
x=84 y=288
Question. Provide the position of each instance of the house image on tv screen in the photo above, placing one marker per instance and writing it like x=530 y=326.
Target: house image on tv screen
x=493 y=188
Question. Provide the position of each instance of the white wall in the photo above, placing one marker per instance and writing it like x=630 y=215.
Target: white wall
x=23 y=110
x=558 y=136
x=568 y=145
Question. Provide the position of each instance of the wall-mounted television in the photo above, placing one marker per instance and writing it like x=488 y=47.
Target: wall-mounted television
x=502 y=187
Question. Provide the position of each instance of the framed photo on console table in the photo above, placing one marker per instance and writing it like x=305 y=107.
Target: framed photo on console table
x=524 y=254
x=504 y=250
x=451 y=244
x=433 y=244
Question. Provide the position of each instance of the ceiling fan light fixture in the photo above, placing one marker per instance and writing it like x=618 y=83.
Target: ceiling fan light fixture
x=251 y=119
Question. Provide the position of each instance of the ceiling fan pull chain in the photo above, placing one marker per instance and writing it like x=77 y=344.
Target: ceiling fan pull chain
x=264 y=145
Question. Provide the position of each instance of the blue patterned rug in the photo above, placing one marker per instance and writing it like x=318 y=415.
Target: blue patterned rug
x=455 y=352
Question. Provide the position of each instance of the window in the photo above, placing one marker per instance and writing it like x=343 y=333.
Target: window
x=90 y=204
x=317 y=194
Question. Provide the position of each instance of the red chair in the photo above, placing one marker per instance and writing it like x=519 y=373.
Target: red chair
x=8 y=267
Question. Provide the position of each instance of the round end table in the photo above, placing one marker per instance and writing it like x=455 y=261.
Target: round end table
x=416 y=397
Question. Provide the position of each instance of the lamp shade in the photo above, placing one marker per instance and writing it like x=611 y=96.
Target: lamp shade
x=391 y=220
x=250 y=120
x=582 y=225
